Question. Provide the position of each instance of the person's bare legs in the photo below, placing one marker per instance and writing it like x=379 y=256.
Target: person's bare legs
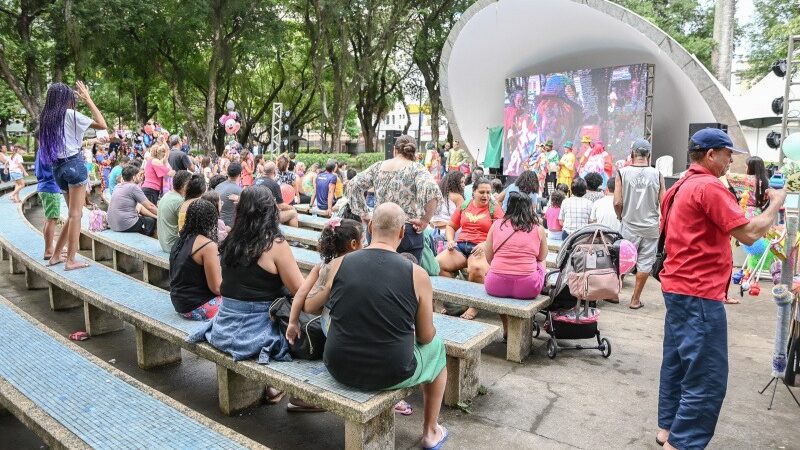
x=49 y=232
x=289 y=217
x=18 y=185
x=56 y=258
x=477 y=267
x=641 y=279
x=432 y=395
x=76 y=194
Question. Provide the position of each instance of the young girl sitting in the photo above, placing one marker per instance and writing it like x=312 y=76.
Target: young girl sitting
x=213 y=197
x=554 y=226
x=339 y=237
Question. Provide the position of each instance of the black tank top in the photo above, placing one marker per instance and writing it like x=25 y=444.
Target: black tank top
x=251 y=284
x=188 y=286
x=373 y=309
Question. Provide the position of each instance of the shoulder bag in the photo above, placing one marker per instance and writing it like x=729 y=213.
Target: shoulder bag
x=661 y=253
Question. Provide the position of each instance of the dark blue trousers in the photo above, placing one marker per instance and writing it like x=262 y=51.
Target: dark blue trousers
x=694 y=371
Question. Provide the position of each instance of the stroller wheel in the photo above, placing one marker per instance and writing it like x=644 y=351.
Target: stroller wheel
x=605 y=347
x=536 y=329
x=552 y=348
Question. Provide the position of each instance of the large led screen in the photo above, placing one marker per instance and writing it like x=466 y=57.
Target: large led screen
x=606 y=104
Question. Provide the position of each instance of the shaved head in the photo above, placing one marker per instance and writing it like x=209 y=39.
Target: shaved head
x=388 y=220
x=270 y=169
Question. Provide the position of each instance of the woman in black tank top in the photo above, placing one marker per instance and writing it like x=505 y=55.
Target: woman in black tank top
x=194 y=270
x=257 y=268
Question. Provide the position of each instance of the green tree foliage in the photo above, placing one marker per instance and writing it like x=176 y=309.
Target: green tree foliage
x=690 y=22
x=772 y=24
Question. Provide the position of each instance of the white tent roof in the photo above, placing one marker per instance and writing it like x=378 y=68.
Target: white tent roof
x=754 y=107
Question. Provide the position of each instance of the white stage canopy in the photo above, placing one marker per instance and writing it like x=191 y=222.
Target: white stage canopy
x=495 y=40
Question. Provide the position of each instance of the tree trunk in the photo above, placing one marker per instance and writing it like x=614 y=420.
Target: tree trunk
x=722 y=54
x=434 y=118
x=207 y=140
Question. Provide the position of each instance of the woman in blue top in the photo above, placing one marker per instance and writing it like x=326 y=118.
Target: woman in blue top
x=527 y=183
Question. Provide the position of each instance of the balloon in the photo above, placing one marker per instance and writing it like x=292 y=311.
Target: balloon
x=148 y=129
x=627 y=256
x=791 y=146
x=236 y=127
x=287 y=192
x=231 y=127
x=757 y=248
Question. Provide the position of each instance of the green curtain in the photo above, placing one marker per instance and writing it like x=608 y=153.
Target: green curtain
x=494 y=148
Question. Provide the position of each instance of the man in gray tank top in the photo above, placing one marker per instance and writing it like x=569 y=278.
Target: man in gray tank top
x=637 y=198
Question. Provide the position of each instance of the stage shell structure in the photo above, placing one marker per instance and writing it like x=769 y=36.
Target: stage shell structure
x=495 y=40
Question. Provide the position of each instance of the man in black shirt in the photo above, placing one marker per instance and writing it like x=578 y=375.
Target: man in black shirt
x=178 y=160
x=381 y=333
x=287 y=213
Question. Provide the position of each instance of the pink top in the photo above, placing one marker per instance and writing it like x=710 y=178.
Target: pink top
x=154 y=176
x=518 y=255
x=551 y=216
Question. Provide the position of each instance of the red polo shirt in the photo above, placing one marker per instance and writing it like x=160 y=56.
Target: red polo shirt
x=699 y=261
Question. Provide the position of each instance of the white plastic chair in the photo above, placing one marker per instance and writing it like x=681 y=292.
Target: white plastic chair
x=664 y=165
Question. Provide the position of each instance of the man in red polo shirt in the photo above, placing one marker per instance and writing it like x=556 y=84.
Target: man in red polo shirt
x=694 y=280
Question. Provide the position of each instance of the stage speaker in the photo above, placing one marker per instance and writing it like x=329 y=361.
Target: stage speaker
x=388 y=143
x=695 y=127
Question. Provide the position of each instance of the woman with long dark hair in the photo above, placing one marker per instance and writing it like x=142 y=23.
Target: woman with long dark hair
x=194 y=268
x=516 y=248
x=258 y=267
x=61 y=130
x=452 y=188
x=760 y=181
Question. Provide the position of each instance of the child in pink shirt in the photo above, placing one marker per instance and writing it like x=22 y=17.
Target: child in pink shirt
x=554 y=225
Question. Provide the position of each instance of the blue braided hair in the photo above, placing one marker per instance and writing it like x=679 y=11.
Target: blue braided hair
x=60 y=97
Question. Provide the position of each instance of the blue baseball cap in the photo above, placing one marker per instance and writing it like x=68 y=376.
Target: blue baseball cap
x=709 y=138
x=642 y=145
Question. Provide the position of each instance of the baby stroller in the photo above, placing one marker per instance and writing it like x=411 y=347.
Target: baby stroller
x=567 y=317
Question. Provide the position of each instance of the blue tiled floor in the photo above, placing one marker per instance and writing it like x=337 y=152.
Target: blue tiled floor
x=101 y=409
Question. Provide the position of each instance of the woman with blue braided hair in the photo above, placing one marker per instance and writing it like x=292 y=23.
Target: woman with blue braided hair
x=61 y=130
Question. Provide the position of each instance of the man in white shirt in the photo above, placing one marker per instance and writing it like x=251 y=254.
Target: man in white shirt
x=603 y=210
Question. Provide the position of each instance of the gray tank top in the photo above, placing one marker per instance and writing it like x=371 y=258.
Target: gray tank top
x=640 y=213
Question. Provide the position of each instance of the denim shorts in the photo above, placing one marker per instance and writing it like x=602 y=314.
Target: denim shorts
x=15 y=176
x=70 y=172
x=465 y=248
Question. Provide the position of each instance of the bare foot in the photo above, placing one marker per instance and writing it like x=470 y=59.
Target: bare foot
x=662 y=436
x=75 y=265
x=732 y=301
x=470 y=314
x=429 y=440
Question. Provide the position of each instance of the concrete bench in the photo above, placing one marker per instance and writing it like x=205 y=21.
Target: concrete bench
x=134 y=253
x=72 y=399
x=161 y=333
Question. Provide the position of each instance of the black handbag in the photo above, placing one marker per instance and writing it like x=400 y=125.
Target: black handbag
x=311 y=343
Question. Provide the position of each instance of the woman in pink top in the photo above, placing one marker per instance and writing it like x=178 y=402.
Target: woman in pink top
x=155 y=172
x=516 y=248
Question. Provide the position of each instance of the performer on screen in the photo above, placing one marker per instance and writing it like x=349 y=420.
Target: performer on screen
x=566 y=166
x=598 y=161
x=552 y=168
